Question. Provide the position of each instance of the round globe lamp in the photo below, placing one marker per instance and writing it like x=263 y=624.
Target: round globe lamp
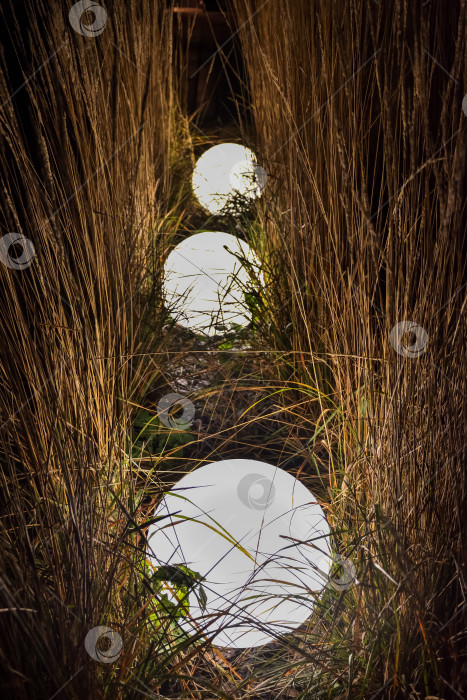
x=260 y=542
x=206 y=278
x=227 y=178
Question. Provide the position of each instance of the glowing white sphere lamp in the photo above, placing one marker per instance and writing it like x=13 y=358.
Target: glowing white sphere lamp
x=227 y=177
x=205 y=280
x=260 y=540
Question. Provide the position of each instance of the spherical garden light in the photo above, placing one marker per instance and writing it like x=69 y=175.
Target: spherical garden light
x=227 y=178
x=206 y=278
x=259 y=541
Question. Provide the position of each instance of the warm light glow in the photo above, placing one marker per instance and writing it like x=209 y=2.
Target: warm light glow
x=205 y=283
x=227 y=177
x=239 y=524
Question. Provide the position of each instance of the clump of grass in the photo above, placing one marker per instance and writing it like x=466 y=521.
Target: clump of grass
x=366 y=136
x=87 y=127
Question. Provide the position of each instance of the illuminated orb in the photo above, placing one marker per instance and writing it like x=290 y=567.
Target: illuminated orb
x=242 y=524
x=227 y=177
x=205 y=282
